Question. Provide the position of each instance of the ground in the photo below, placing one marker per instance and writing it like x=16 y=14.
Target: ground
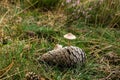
x=27 y=34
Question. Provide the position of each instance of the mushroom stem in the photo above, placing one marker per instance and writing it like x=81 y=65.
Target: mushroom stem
x=69 y=43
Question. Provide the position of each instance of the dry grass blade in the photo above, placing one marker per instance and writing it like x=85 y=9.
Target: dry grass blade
x=104 y=48
x=23 y=10
x=3 y=17
x=5 y=70
x=13 y=74
x=96 y=52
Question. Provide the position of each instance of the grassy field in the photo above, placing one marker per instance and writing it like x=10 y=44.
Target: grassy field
x=27 y=33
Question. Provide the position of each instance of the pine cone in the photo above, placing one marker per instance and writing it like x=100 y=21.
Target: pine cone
x=32 y=76
x=67 y=56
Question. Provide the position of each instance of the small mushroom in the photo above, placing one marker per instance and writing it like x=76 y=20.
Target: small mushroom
x=69 y=36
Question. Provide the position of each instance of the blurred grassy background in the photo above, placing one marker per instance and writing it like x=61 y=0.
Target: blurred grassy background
x=31 y=28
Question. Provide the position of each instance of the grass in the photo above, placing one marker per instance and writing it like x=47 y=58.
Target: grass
x=30 y=34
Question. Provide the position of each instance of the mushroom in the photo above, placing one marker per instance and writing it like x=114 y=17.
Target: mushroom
x=69 y=36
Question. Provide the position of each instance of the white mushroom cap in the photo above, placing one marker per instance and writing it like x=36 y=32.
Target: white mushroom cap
x=69 y=36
